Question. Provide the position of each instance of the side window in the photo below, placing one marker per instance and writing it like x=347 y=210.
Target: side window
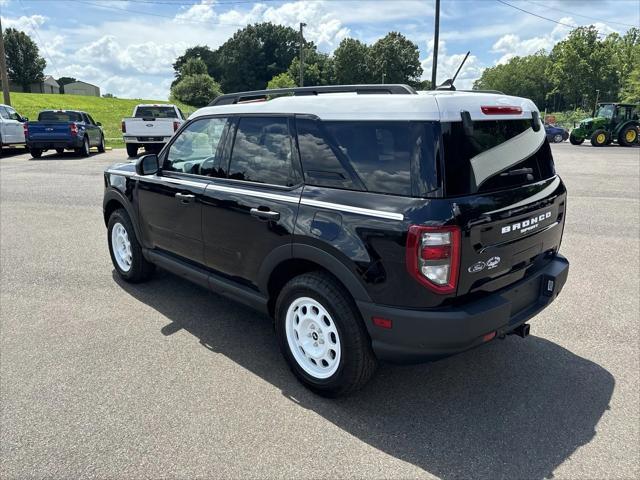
x=3 y=113
x=12 y=114
x=196 y=150
x=262 y=152
x=90 y=119
x=320 y=162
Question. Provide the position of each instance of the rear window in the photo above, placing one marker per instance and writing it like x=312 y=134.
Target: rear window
x=395 y=158
x=156 y=112
x=496 y=155
x=59 y=117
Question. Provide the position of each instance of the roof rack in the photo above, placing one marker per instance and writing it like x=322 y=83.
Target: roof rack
x=392 y=89
x=483 y=91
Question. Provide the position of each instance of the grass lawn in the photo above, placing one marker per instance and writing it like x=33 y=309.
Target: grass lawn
x=108 y=111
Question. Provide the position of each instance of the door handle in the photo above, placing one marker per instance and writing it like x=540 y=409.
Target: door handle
x=265 y=214
x=185 y=198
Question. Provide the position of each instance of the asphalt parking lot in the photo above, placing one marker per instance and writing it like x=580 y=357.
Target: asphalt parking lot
x=165 y=380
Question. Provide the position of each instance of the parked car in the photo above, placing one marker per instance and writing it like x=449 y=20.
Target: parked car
x=151 y=127
x=396 y=227
x=11 y=129
x=62 y=130
x=556 y=133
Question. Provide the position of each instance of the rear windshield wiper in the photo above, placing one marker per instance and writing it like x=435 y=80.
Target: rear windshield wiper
x=517 y=171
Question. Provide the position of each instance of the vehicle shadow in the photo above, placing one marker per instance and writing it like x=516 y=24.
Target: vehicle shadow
x=510 y=409
x=67 y=155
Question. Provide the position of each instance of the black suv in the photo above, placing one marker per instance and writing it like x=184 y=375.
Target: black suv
x=394 y=225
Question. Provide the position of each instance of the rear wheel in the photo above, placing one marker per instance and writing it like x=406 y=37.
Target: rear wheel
x=126 y=252
x=599 y=138
x=557 y=138
x=322 y=336
x=628 y=136
x=132 y=149
x=35 y=152
x=575 y=140
x=85 y=150
x=101 y=148
x=59 y=151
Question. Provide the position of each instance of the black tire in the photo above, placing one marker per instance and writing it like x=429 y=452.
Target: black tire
x=357 y=361
x=132 y=150
x=59 y=151
x=101 y=147
x=557 y=138
x=575 y=141
x=35 y=152
x=628 y=136
x=140 y=269
x=599 y=138
x=85 y=150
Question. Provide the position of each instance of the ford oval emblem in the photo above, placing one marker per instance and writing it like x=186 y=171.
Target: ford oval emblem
x=477 y=267
x=149 y=124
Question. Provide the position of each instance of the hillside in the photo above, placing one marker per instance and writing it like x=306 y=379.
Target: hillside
x=108 y=111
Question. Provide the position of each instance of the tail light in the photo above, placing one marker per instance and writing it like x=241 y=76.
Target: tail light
x=74 y=129
x=25 y=128
x=433 y=256
x=123 y=126
x=176 y=126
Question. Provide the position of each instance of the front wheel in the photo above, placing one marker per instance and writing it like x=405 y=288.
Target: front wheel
x=628 y=136
x=322 y=336
x=599 y=138
x=101 y=147
x=575 y=140
x=557 y=138
x=125 y=250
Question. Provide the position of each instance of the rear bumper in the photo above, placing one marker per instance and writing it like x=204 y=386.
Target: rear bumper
x=147 y=140
x=420 y=335
x=56 y=143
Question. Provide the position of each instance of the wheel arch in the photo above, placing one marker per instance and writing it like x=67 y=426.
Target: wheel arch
x=114 y=200
x=289 y=261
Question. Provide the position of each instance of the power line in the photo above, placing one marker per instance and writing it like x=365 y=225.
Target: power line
x=584 y=16
x=540 y=16
x=34 y=25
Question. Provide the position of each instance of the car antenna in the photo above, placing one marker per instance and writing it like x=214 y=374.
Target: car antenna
x=448 y=84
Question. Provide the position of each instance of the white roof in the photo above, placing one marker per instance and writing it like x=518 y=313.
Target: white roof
x=428 y=106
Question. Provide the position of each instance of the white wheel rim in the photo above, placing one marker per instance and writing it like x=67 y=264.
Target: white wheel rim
x=313 y=337
x=86 y=146
x=558 y=138
x=121 y=247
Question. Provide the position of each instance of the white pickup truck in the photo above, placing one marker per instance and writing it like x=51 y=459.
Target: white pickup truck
x=11 y=127
x=151 y=127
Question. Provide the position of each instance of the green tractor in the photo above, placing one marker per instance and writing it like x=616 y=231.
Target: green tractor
x=611 y=122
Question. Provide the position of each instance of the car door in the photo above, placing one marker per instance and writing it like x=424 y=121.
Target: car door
x=170 y=202
x=250 y=209
x=94 y=131
x=13 y=130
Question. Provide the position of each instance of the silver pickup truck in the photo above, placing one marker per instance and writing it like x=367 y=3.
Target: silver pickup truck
x=151 y=126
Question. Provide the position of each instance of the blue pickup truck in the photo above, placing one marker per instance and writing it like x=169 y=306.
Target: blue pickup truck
x=62 y=130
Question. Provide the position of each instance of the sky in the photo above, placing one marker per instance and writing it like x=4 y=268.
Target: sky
x=126 y=47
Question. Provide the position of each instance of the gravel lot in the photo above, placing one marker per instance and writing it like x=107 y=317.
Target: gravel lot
x=165 y=380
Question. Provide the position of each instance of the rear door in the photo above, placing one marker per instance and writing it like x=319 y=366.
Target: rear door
x=171 y=203
x=251 y=207
x=499 y=174
x=13 y=130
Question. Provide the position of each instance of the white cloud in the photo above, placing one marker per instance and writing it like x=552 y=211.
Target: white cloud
x=202 y=12
x=24 y=23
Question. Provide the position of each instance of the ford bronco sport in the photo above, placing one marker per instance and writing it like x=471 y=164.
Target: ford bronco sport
x=370 y=222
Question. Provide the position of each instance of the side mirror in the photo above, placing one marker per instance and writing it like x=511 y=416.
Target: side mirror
x=98 y=124
x=147 y=164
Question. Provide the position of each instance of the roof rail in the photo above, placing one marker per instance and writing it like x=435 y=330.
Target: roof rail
x=483 y=91
x=393 y=89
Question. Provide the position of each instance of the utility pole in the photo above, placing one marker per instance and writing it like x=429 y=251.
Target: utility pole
x=302 y=25
x=436 y=36
x=3 y=69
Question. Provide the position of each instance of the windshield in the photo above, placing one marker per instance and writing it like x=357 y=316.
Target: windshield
x=156 y=112
x=59 y=117
x=606 y=111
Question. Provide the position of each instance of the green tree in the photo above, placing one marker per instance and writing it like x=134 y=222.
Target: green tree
x=397 y=58
x=520 y=76
x=318 y=68
x=282 y=80
x=254 y=55
x=630 y=92
x=194 y=66
x=202 y=52
x=196 y=90
x=582 y=64
x=24 y=63
x=351 y=63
